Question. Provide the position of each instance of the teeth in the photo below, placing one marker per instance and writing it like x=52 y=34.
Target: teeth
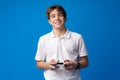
x=57 y=22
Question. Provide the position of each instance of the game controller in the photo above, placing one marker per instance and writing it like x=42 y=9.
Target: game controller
x=61 y=64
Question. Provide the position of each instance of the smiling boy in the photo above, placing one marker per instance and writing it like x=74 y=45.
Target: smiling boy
x=61 y=45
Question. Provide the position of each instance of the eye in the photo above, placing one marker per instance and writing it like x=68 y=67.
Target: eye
x=52 y=16
x=61 y=14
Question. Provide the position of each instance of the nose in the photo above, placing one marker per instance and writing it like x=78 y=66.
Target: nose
x=57 y=17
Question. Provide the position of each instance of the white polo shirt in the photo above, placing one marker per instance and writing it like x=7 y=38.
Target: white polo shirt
x=70 y=46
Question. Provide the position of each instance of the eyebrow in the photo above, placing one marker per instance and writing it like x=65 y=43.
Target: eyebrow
x=58 y=13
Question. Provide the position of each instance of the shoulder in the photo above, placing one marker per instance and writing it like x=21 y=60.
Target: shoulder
x=75 y=35
x=44 y=37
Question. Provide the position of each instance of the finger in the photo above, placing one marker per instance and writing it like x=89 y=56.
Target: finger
x=70 y=63
x=53 y=61
x=68 y=68
x=66 y=60
x=52 y=67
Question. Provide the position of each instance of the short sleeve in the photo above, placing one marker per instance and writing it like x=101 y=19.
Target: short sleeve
x=82 y=48
x=40 y=55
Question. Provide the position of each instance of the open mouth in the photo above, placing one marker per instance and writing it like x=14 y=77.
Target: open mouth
x=58 y=22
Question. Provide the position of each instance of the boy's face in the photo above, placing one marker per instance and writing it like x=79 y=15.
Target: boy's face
x=57 y=19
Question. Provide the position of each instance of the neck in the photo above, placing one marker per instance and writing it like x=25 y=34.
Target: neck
x=59 y=32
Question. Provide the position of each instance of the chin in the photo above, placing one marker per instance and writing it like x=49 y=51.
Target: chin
x=59 y=27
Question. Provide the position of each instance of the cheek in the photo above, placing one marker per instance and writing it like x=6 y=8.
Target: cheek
x=64 y=20
x=51 y=21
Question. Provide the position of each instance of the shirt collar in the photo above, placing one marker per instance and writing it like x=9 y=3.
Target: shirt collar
x=66 y=35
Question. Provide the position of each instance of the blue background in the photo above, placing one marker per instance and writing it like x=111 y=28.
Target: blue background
x=22 y=22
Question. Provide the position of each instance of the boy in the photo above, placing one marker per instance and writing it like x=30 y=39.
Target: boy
x=61 y=53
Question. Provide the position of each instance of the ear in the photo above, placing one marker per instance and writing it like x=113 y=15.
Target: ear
x=65 y=19
x=49 y=22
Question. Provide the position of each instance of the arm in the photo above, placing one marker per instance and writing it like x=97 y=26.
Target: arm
x=42 y=65
x=46 y=65
x=84 y=62
x=76 y=65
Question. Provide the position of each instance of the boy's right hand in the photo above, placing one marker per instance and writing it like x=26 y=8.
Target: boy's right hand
x=52 y=64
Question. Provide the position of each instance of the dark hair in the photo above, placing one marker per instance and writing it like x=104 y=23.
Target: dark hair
x=58 y=7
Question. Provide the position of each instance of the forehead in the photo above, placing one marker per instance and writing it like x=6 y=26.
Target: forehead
x=55 y=11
